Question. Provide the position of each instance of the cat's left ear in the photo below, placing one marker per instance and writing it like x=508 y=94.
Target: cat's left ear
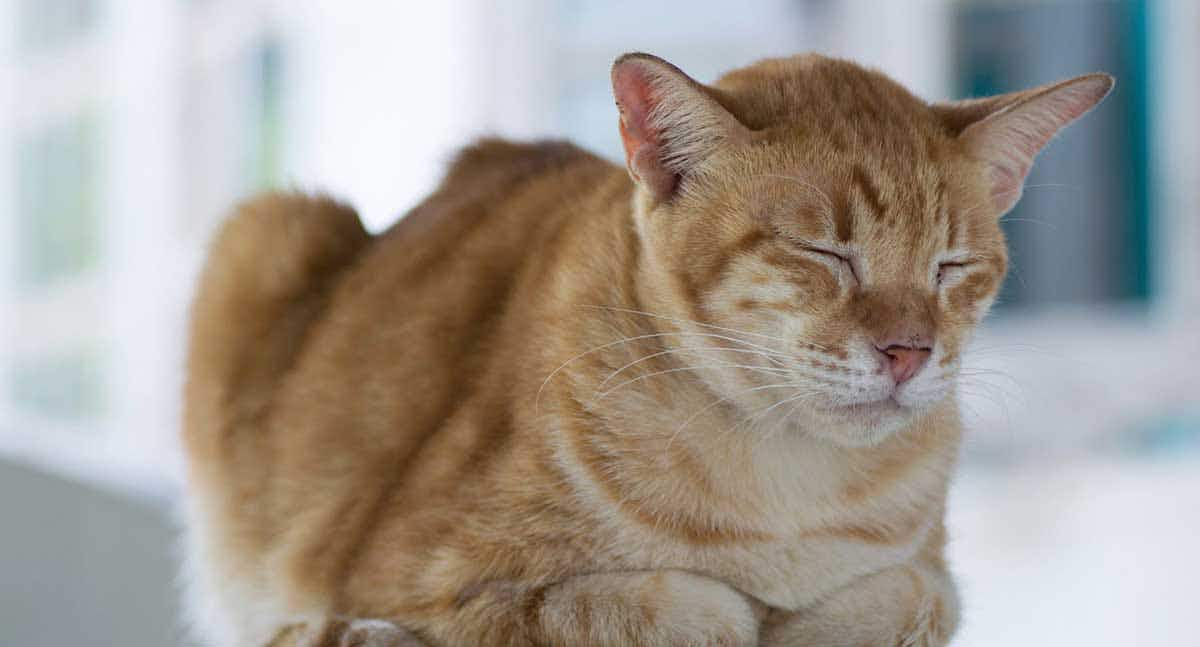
x=669 y=122
x=1008 y=131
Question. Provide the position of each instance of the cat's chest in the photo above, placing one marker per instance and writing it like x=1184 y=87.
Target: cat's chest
x=797 y=569
x=810 y=540
x=786 y=524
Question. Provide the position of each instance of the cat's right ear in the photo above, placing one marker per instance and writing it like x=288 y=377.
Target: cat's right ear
x=669 y=122
x=1007 y=131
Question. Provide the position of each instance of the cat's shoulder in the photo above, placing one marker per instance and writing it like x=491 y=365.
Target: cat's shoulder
x=495 y=160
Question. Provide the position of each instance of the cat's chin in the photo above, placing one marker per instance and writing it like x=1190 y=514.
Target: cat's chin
x=863 y=424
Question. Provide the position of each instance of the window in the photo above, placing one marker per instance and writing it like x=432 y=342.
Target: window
x=265 y=114
x=66 y=384
x=46 y=24
x=57 y=225
x=1084 y=217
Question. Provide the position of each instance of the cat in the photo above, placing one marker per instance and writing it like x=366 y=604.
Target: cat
x=705 y=399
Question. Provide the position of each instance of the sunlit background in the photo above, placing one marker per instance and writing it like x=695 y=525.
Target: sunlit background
x=127 y=128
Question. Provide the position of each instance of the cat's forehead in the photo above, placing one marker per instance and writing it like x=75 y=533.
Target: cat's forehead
x=899 y=218
x=860 y=191
x=883 y=162
x=852 y=106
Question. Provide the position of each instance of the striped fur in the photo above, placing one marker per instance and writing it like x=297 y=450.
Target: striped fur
x=554 y=406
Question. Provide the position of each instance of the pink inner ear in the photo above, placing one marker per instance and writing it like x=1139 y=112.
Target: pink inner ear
x=633 y=93
x=1010 y=140
x=636 y=99
x=630 y=143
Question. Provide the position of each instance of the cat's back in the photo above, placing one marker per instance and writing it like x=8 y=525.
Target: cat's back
x=321 y=356
x=294 y=283
x=490 y=187
x=409 y=333
x=322 y=359
x=424 y=299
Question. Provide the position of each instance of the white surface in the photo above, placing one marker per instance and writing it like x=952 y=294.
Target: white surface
x=1085 y=553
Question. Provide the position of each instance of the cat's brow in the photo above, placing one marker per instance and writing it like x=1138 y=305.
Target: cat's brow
x=829 y=211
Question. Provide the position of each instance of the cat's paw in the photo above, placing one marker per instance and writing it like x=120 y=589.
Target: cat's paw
x=692 y=609
x=653 y=608
x=377 y=633
x=347 y=632
x=901 y=607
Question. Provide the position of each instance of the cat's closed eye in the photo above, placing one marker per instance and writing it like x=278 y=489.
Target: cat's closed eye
x=950 y=271
x=837 y=259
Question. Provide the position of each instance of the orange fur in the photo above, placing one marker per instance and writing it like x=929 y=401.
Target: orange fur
x=551 y=405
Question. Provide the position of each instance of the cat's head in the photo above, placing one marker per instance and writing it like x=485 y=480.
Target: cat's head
x=848 y=231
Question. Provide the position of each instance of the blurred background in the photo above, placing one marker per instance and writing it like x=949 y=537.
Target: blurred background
x=127 y=129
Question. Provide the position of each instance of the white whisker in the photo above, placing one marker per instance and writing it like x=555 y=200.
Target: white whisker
x=703 y=324
x=719 y=401
x=668 y=371
x=672 y=351
x=626 y=340
x=757 y=416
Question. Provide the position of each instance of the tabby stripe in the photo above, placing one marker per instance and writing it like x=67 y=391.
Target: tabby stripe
x=598 y=467
x=876 y=535
x=869 y=192
x=896 y=464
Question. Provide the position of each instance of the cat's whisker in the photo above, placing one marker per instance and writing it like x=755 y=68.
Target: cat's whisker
x=626 y=340
x=1051 y=185
x=720 y=401
x=990 y=201
x=974 y=370
x=1045 y=223
x=999 y=403
x=981 y=373
x=778 y=368
x=1001 y=348
x=791 y=412
x=679 y=320
x=774 y=358
x=688 y=333
x=990 y=392
x=998 y=395
x=970 y=210
x=678 y=369
x=705 y=325
x=783 y=422
x=757 y=416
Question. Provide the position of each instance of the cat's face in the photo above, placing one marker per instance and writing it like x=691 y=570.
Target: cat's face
x=867 y=278
x=843 y=235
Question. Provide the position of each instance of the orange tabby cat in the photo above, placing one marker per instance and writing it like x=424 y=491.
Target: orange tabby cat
x=713 y=405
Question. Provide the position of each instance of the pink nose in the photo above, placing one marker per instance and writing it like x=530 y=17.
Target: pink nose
x=904 y=362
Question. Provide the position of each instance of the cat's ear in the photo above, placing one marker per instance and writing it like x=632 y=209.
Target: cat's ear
x=669 y=123
x=1009 y=130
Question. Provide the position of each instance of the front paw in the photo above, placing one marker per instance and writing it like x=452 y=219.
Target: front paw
x=377 y=633
x=654 y=608
x=697 y=610
x=901 y=607
x=346 y=633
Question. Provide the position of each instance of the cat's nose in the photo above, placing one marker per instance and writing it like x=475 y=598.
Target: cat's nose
x=905 y=361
